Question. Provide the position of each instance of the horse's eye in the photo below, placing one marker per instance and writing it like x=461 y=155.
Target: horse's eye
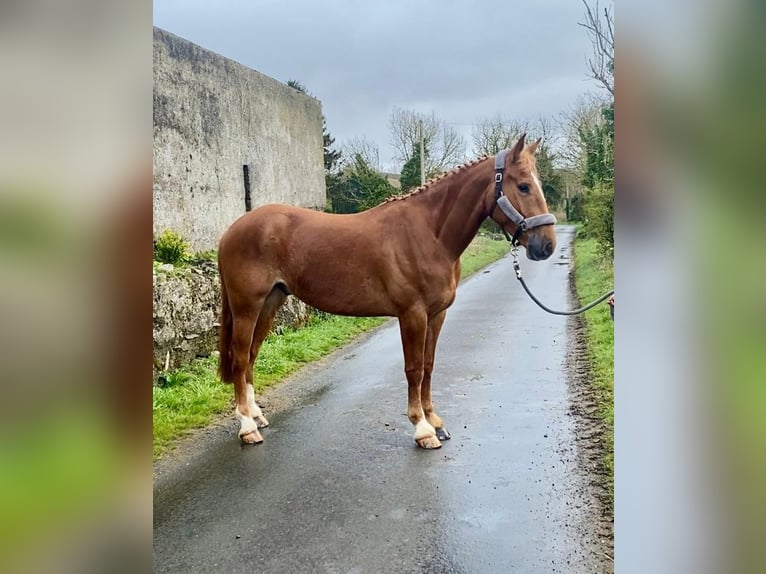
x=524 y=188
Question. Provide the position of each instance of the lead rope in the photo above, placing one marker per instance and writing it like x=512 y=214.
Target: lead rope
x=517 y=269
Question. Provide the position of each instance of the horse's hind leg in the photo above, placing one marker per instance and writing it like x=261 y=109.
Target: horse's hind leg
x=241 y=341
x=432 y=335
x=262 y=328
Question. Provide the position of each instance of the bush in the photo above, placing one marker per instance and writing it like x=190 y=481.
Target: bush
x=599 y=217
x=170 y=247
x=357 y=187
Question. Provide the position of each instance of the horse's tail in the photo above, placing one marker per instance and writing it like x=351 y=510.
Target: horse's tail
x=225 y=363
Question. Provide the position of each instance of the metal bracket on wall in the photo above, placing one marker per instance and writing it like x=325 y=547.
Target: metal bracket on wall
x=246 y=173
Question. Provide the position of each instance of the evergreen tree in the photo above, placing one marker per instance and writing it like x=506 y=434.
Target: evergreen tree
x=410 y=176
x=598 y=143
x=331 y=156
x=358 y=187
x=549 y=176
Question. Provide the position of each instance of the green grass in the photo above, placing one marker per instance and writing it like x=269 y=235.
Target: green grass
x=593 y=277
x=190 y=399
x=481 y=252
x=192 y=396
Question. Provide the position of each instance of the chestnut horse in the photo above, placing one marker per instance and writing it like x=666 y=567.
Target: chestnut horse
x=400 y=259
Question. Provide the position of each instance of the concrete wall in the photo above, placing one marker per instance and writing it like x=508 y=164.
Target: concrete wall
x=211 y=117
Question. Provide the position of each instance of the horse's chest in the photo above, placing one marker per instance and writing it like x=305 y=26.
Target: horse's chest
x=448 y=299
x=440 y=292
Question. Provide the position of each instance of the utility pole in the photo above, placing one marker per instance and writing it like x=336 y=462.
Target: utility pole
x=422 y=155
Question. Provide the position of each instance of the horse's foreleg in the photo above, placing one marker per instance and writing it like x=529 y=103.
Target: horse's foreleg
x=242 y=337
x=262 y=328
x=413 y=328
x=432 y=335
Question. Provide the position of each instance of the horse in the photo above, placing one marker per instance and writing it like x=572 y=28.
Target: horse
x=399 y=259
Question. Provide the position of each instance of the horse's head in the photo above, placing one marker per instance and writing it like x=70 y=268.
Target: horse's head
x=522 y=201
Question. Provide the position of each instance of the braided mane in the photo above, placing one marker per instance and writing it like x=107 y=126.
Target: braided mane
x=427 y=185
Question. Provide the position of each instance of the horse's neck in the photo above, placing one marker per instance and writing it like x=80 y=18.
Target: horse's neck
x=462 y=206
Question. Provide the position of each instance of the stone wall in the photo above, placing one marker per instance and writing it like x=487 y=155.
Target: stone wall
x=187 y=302
x=213 y=116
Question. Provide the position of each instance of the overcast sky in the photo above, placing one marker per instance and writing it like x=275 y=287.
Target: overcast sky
x=462 y=59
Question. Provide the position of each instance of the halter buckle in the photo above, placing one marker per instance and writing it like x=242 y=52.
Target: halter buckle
x=498 y=177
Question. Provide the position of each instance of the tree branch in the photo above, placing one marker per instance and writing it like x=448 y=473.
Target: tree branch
x=601 y=32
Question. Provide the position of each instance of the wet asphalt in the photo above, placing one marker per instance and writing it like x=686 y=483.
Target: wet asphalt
x=339 y=486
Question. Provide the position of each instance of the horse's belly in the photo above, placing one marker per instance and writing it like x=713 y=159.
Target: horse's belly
x=364 y=300
x=354 y=304
x=343 y=295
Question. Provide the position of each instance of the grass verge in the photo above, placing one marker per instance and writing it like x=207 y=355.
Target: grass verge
x=193 y=395
x=482 y=251
x=593 y=277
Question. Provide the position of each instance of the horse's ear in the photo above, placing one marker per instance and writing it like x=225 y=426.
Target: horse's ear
x=533 y=146
x=517 y=149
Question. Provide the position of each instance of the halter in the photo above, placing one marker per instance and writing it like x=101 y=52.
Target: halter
x=522 y=223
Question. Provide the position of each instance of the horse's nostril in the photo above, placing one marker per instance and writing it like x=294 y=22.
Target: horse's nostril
x=548 y=249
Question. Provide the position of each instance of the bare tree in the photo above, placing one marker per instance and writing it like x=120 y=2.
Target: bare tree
x=405 y=131
x=490 y=135
x=600 y=27
x=543 y=128
x=553 y=138
x=448 y=150
x=583 y=117
x=444 y=145
x=366 y=149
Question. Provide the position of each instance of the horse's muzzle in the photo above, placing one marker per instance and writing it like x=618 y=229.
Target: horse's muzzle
x=540 y=246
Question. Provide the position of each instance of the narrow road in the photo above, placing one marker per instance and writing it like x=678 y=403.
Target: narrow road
x=339 y=486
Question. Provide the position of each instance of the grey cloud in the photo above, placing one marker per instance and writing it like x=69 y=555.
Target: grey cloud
x=457 y=58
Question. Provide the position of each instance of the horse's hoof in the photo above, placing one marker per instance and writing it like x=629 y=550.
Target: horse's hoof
x=251 y=437
x=443 y=434
x=429 y=442
x=262 y=422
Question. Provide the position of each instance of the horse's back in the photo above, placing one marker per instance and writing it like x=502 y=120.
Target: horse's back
x=255 y=222
x=289 y=237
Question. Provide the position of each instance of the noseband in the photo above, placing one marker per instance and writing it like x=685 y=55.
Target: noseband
x=522 y=223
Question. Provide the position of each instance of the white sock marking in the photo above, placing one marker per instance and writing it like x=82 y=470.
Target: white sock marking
x=255 y=410
x=424 y=429
x=246 y=424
